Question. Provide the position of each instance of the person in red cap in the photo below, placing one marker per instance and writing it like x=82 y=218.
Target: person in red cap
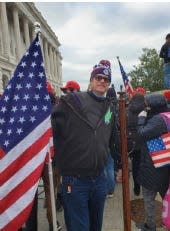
x=71 y=86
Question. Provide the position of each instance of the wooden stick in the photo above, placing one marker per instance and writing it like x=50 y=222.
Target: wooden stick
x=125 y=169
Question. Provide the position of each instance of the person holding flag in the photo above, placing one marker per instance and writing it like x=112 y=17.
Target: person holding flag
x=25 y=137
x=85 y=131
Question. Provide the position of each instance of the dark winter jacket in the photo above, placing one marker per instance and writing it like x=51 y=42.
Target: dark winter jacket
x=165 y=53
x=135 y=106
x=82 y=147
x=156 y=179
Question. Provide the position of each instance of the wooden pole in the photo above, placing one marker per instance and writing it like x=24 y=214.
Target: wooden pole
x=125 y=169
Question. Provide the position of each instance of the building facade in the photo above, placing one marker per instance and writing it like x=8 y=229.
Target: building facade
x=17 y=32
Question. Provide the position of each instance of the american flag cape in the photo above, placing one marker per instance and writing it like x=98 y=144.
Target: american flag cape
x=25 y=137
x=127 y=84
x=159 y=148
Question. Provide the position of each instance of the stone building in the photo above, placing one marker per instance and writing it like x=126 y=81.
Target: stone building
x=17 y=32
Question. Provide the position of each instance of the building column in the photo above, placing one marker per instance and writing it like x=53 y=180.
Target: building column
x=59 y=68
x=42 y=47
x=5 y=29
x=52 y=63
x=26 y=33
x=55 y=67
x=33 y=34
x=1 y=83
x=50 y=60
x=47 y=65
x=1 y=47
x=17 y=32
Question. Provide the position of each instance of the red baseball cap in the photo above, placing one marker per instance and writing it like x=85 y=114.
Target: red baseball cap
x=139 y=90
x=166 y=94
x=71 y=85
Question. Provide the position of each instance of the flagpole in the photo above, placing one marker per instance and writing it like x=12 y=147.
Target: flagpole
x=124 y=153
x=53 y=207
x=50 y=171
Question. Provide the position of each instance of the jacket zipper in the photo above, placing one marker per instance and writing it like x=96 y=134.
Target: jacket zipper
x=98 y=124
x=94 y=129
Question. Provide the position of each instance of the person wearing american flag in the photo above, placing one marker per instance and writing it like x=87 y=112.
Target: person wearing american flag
x=154 y=170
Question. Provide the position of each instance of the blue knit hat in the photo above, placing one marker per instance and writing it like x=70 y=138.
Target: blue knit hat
x=102 y=69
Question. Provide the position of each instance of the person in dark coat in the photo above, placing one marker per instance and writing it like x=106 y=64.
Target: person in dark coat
x=85 y=132
x=152 y=125
x=135 y=106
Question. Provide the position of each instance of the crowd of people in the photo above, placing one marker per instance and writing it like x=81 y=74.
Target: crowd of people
x=87 y=160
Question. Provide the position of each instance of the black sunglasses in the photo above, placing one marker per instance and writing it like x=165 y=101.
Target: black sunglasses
x=99 y=78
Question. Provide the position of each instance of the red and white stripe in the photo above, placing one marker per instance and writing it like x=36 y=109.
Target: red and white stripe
x=21 y=170
x=162 y=158
x=129 y=88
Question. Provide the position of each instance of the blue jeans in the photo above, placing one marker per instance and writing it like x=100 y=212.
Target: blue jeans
x=83 y=202
x=167 y=75
x=110 y=177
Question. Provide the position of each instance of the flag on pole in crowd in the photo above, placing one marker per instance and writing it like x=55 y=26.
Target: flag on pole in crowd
x=127 y=84
x=25 y=137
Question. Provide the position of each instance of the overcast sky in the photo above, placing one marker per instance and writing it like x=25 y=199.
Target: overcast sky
x=89 y=32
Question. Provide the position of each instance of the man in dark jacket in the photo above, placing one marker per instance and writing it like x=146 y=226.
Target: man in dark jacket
x=165 y=54
x=85 y=129
x=152 y=125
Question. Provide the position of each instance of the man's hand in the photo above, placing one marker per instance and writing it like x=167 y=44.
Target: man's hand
x=119 y=176
x=143 y=114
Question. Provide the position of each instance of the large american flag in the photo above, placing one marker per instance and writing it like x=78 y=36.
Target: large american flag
x=159 y=149
x=25 y=137
x=127 y=84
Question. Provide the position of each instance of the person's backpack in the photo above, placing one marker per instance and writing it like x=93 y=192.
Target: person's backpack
x=166 y=209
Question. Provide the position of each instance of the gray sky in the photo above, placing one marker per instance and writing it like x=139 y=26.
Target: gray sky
x=89 y=32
